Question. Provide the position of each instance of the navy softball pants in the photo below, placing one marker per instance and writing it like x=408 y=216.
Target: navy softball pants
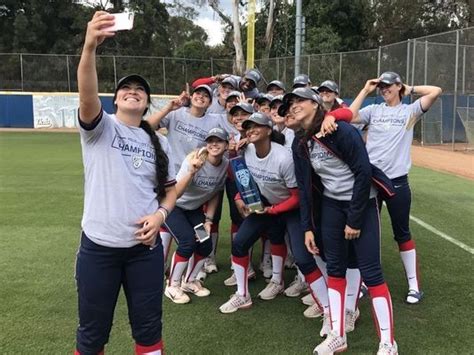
x=180 y=223
x=399 y=209
x=275 y=227
x=366 y=247
x=100 y=272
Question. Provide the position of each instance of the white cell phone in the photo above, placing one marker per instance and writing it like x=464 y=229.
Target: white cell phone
x=123 y=21
x=201 y=233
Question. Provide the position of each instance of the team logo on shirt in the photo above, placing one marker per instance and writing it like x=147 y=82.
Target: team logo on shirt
x=137 y=161
x=243 y=176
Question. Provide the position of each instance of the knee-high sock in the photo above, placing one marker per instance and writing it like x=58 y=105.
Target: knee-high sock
x=337 y=293
x=233 y=232
x=166 y=239
x=409 y=260
x=155 y=349
x=318 y=288
x=382 y=312
x=214 y=237
x=178 y=265
x=241 y=265
x=321 y=266
x=353 y=288
x=278 y=262
x=195 y=264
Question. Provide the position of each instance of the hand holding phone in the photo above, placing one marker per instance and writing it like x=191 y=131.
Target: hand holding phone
x=123 y=21
x=201 y=233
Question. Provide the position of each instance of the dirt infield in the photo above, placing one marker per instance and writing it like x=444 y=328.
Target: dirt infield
x=457 y=163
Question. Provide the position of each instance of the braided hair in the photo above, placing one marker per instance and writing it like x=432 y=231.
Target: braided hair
x=162 y=160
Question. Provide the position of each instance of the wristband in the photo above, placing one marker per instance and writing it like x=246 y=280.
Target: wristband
x=165 y=209
x=208 y=218
x=163 y=213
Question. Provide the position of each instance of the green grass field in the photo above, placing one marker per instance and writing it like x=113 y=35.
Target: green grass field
x=41 y=190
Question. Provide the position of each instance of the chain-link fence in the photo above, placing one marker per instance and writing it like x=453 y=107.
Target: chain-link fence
x=445 y=60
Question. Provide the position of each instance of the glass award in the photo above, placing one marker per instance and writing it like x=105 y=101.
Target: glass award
x=246 y=184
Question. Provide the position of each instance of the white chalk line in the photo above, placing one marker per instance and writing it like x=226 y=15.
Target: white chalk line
x=443 y=235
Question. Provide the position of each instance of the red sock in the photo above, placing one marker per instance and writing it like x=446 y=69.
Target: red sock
x=155 y=349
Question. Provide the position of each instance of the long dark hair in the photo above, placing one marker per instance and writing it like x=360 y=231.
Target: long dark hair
x=277 y=137
x=315 y=127
x=161 y=160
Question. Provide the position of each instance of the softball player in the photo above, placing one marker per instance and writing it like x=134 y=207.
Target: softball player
x=220 y=95
x=346 y=214
x=275 y=88
x=128 y=193
x=199 y=183
x=271 y=165
x=389 y=139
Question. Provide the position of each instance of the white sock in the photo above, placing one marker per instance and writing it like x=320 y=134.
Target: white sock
x=195 y=264
x=353 y=287
x=319 y=289
x=267 y=253
x=337 y=293
x=166 y=241
x=215 y=238
x=178 y=265
x=409 y=263
x=382 y=307
x=278 y=262
x=240 y=270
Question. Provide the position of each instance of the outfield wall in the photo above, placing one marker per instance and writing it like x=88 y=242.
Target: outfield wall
x=59 y=110
x=51 y=110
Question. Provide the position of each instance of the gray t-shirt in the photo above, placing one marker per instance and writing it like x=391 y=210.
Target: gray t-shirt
x=336 y=176
x=186 y=132
x=216 y=107
x=205 y=184
x=120 y=177
x=390 y=135
x=274 y=174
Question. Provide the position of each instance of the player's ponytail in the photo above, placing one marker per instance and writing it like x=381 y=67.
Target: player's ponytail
x=161 y=159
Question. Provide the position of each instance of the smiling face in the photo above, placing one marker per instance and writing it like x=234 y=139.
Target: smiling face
x=303 y=111
x=238 y=117
x=216 y=147
x=275 y=90
x=246 y=84
x=390 y=92
x=231 y=103
x=131 y=98
x=224 y=90
x=200 y=99
x=264 y=107
x=327 y=95
x=290 y=122
x=276 y=118
x=257 y=133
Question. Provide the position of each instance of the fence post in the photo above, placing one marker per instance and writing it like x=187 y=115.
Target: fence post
x=413 y=57
x=309 y=63
x=115 y=71
x=21 y=71
x=455 y=98
x=463 y=69
x=68 y=74
x=379 y=58
x=164 y=76
x=212 y=67
x=340 y=71
x=425 y=77
x=408 y=60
